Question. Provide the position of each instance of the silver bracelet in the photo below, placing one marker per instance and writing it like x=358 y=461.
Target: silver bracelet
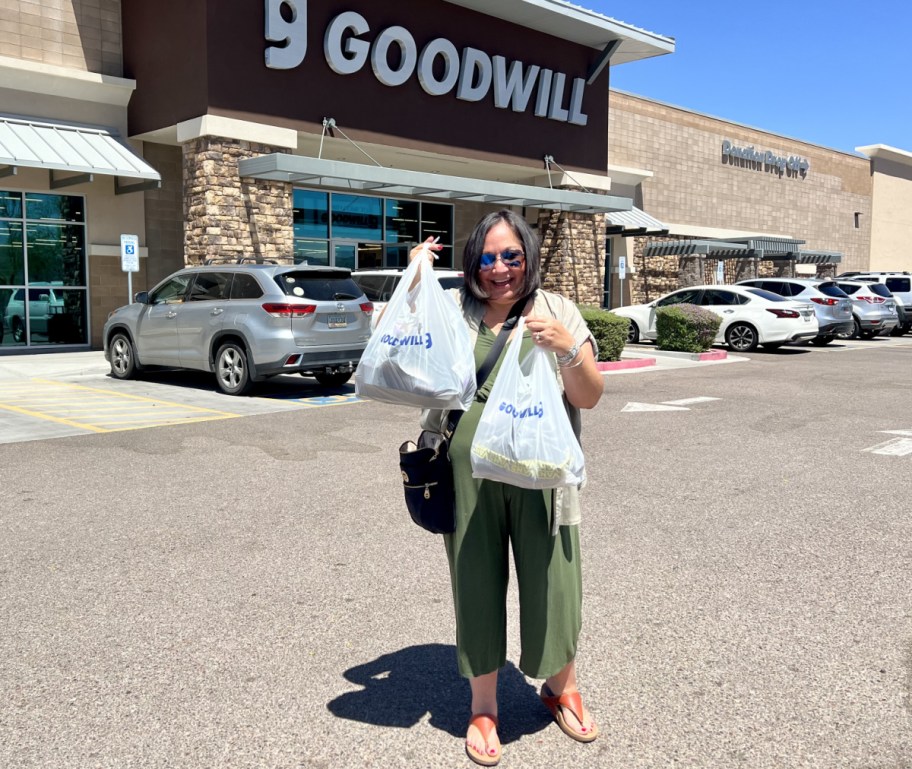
x=572 y=365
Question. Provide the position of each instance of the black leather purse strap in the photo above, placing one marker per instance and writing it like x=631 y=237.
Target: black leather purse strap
x=484 y=369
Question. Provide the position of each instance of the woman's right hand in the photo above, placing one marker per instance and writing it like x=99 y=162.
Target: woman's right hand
x=428 y=247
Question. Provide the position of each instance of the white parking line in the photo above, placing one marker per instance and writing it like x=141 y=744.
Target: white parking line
x=897 y=447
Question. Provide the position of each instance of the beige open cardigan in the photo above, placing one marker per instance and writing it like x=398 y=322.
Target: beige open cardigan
x=566 y=503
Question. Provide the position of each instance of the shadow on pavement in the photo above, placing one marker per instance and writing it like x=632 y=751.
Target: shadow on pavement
x=401 y=687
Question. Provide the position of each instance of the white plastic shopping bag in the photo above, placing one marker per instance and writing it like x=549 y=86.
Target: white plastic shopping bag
x=524 y=437
x=420 y=353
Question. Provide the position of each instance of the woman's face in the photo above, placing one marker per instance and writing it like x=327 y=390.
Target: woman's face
x=503 y=284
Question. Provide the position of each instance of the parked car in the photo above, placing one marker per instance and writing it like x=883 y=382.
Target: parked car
x=750 y=316
x=831 y=304
x=378 y=285
x=244 y=323
x=44 y=301
x=873 y=308
x=900 y=285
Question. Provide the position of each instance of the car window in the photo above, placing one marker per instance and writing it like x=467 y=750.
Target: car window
x=372 y=286
x=831 y=289
x=881 y=290
x=171 y=291
x=687 y=296
x=790 y=289
x=245 y=286
x=40 y=294
x=775 y=286
x=849 y=288
x=899 y=284
x=715 y=296
x=456 y=281
x=767 y=295
x=318 y=285
x=209 y=286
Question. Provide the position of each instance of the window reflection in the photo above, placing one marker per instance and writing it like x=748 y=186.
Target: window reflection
x=12 y=254
x=56 y=253
x=67 y=208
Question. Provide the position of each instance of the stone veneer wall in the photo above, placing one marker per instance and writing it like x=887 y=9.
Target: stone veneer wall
x=229 y=217
x=573 y=255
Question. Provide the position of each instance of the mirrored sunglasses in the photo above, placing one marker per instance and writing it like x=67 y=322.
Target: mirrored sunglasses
x=511 y=258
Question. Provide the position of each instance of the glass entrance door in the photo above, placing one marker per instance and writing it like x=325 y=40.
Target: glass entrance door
x=354 y=255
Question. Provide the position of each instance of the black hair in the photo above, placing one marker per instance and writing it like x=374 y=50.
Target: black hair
x=474 y=247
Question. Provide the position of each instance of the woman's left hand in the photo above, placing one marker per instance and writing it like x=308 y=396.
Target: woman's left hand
x=550 y=334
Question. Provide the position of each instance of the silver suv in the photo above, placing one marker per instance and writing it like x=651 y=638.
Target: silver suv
x=900 y=285
x=832 y=305
x=244 y=322
x=873 y=308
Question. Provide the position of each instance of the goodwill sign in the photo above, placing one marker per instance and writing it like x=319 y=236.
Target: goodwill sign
x=349 y=44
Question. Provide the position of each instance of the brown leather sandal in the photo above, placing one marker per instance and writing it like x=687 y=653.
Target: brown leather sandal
x=486 y=724
x=572 y=702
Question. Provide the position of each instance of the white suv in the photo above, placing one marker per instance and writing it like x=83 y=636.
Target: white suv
x=378 y=285
x=43 y=302
x=900 y=285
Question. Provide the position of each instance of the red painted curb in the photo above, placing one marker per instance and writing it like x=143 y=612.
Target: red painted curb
x=616 y=365
x=712 y=355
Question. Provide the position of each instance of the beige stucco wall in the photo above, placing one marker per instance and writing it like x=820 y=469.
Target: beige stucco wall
x=691 y=185
x=82 y=34
x=891 y=236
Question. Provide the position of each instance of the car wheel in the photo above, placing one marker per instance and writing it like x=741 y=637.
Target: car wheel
x=820 y=341
x=18 y=329
x=633 y=333
x=123 y=357
x=333 y=380
x=772 y=345
x=741 y=337
x=231 y=370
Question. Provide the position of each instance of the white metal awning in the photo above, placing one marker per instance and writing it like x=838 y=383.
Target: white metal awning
x=79 y=151
x=633 y=222
x=317 y=172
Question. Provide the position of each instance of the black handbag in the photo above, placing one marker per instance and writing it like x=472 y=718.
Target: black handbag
x=427 y=473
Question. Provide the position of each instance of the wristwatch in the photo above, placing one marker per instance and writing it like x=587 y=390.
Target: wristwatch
x=563 y=360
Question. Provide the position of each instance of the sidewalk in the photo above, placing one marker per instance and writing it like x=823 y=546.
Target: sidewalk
x=643 y=357
x=634 y=359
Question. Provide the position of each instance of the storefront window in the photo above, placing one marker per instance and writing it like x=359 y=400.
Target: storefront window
x=43 y=285
x=357 y=217
x=366 y=231
x=311 y=214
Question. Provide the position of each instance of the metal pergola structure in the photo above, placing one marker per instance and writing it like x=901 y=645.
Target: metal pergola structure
x=760 y=247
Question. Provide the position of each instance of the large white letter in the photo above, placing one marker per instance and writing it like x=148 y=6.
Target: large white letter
x=513 y=87
x=577 y=116
x=474 y=60
x=292 y=34
x=347 y=59
x=557 y=111
x=379 y=56
x=447 y=51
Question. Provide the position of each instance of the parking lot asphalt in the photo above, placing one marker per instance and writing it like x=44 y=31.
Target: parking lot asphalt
x=250 y=593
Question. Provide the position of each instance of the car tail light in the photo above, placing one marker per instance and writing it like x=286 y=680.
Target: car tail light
x=288 y=310
x=784 y=313
x=872 y=299
x=827 y=300
x=291 y=360
x=367 y=308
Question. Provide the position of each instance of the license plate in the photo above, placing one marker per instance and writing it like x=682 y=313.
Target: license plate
x=337 y=321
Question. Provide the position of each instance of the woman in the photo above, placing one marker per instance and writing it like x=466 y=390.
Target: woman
x=501 y=265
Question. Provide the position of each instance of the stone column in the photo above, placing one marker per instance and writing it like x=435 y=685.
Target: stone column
x=691 y=270
x=227 y=217
x=745 y=268
x=573 y=255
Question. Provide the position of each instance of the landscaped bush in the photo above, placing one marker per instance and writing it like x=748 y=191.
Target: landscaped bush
x=686 y=328
x=609 y=330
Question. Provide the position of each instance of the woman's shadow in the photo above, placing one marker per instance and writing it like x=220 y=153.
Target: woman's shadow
x=400 y=687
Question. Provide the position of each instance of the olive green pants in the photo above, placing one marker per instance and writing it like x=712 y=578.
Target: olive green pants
x=489 y=517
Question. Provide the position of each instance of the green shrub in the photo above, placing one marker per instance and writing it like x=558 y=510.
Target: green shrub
x=686 y=328
x=609 y=330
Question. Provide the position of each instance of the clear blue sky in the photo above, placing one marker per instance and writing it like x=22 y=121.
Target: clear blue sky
x=838 y=74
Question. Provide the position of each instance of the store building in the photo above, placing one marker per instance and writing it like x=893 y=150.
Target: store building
x=342 y=133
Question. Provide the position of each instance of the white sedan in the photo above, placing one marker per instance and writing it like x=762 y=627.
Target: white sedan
x=750 y=316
